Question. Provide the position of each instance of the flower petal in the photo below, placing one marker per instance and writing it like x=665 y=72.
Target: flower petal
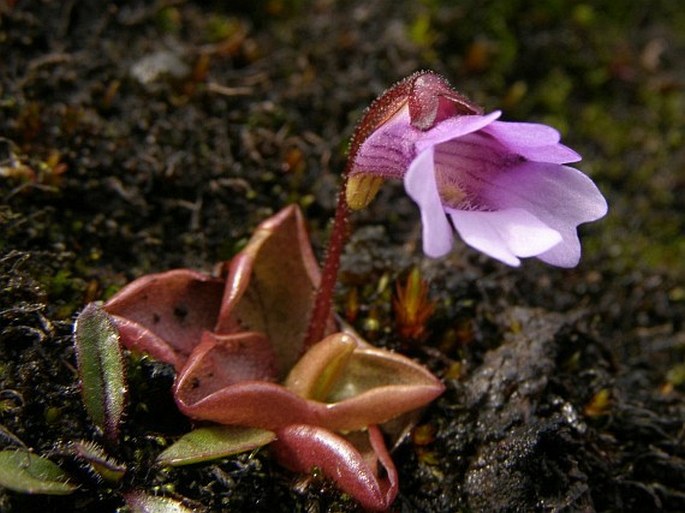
x=388 y=150
x=167 y=309
x=534 y=141
x=527 y=135
x=453 y=128
x=421 y=186
x=504 y=234
x=565 y=254
x=301 y=448
x=560 y=196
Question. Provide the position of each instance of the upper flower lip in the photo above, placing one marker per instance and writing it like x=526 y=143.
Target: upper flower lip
x=453 y=128
x=532 y=141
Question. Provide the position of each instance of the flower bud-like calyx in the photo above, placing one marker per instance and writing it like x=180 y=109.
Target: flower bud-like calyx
x=429 y=98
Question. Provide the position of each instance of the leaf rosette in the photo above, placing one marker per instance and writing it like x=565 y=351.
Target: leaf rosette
x=237 y=343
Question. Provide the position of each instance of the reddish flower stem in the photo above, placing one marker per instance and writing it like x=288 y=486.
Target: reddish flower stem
x=323 y=301
x=379 y=111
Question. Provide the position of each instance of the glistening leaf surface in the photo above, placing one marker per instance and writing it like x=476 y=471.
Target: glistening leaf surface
x=210 y=443
x=101 y=368
x=141 y=502
x=26 y=472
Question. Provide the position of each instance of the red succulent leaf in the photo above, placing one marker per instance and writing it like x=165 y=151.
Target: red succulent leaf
x=140 y=339
x=353 y=464
x=260 y=404
x=313 y=376
x=165 y=314
x=229 y=379
x=219 y=361
x=270 y=286
x=360 y=385
x=234 y=341
x=268 y=289
x=338 y=384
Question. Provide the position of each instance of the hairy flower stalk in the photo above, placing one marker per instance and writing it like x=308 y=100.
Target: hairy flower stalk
x=429 y=99
x=324 y=295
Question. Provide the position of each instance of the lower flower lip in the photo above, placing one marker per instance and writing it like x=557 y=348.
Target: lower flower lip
x=506 y=234
x=538 y=205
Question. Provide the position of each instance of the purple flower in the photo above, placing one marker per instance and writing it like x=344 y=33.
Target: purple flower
x=502 y=186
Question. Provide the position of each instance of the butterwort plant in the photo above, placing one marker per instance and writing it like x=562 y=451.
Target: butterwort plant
x=256 y=347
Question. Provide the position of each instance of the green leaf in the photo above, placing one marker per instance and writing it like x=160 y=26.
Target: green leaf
x=375 y=369
x=210 y=443
x=99 y=460
x=101 y=368
x=141 y=502
x=317 y=371
x=25 y=472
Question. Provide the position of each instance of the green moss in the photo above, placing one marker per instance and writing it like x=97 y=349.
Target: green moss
x=52 y=414
x=676 y=375
x=420 y=31
x=169 y=20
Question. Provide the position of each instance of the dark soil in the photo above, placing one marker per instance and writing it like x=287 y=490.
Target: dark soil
x=141 y=136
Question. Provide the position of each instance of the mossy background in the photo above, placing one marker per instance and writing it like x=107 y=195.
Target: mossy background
x=105 y=177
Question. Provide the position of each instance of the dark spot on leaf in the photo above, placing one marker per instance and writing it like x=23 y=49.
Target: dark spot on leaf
x=242 y=323
x=181 y=312
x=155 y=318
